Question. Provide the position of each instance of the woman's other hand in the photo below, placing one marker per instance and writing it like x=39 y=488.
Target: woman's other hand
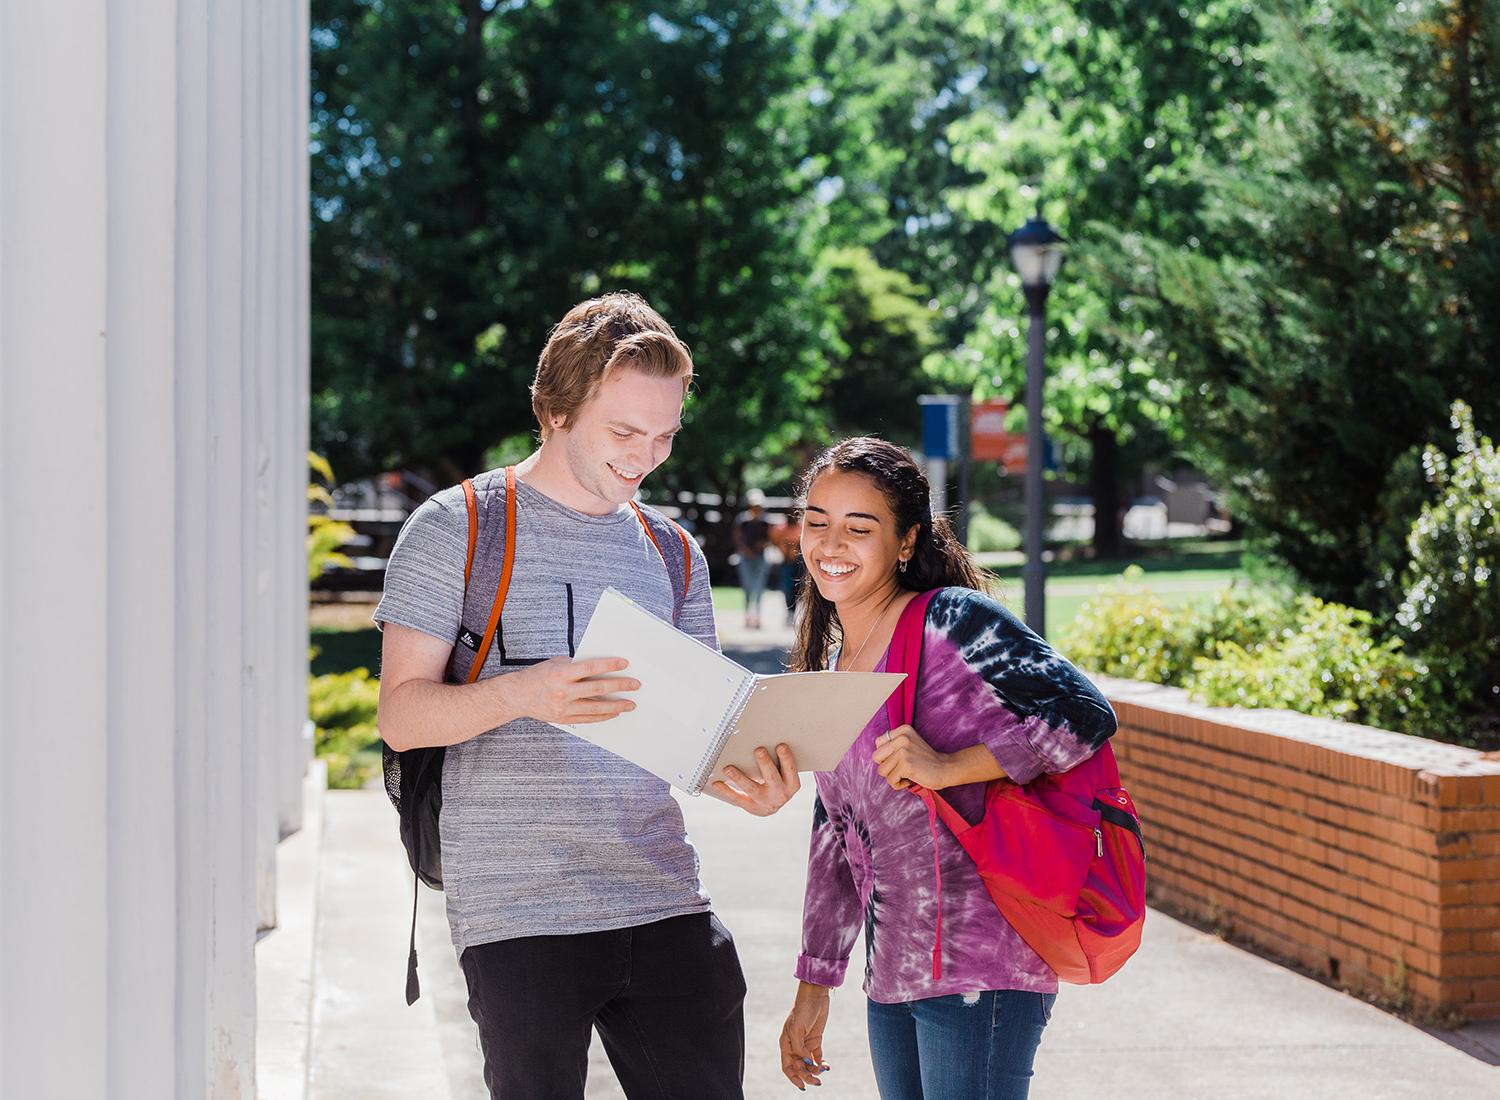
x=802 y=1036
x=904 y=758
x=760 y=795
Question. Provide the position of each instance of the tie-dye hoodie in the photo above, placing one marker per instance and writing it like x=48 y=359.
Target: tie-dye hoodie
x=985 y=679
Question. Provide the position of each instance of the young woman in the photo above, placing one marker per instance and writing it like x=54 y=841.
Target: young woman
x=993 y=701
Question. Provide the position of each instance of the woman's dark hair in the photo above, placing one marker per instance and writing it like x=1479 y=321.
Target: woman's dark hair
x=939 y=560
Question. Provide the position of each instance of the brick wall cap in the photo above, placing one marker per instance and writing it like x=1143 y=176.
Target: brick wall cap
x=1435 y=758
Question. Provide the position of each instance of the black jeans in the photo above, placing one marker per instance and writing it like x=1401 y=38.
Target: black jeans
x=667 y=998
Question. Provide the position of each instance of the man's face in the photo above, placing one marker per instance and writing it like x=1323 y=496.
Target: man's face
x=623 y=433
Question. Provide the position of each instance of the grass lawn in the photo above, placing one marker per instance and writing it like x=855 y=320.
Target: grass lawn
x=343 y=648
x=1189 y=574
x=1063 y=600
x=1187 y=555
x=1182 y=574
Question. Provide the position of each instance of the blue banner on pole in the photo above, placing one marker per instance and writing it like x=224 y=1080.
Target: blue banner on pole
x=940 y=425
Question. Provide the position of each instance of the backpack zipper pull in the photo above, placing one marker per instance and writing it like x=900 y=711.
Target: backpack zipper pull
x=1099 y=842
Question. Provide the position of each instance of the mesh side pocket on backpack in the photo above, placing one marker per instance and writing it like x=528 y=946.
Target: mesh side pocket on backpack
x=390 y=763
x=414 y=784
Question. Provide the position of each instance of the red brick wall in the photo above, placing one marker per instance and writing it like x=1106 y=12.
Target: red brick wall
x=1369 y=857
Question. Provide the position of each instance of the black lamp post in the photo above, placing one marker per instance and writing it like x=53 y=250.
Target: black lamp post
x=1037 y=251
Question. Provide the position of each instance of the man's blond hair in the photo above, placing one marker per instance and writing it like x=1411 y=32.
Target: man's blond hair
x=615 y=330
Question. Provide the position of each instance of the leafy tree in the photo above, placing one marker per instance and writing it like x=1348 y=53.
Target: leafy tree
x=1120 y=101
x=888 y=79
x=884 y=328
x=1350 y=293
x=478 y=167
x=905 y=267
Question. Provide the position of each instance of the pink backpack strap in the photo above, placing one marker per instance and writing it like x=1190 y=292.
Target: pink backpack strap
x=900 y=707
x=906 y=656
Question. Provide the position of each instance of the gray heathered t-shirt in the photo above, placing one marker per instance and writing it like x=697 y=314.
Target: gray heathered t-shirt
x=543 y=832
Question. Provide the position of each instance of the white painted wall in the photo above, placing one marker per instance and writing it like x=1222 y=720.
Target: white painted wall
x=153 y=428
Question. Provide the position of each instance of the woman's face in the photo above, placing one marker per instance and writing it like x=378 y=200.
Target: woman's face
x=849 y=538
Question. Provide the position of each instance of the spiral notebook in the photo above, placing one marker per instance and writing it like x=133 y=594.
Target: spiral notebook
x=698 y=711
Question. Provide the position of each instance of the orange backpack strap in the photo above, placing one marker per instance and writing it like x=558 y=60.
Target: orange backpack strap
x=473 y=506
x=687 y=557
x=505 y=570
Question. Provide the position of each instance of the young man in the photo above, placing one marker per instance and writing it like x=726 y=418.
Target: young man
x=572 y=891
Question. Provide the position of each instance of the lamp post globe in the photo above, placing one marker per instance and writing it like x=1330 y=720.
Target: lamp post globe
x=1037 y=251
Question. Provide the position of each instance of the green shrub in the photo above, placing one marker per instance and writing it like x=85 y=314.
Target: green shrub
x=1254 y=618
x=342 y=706
x=1451 y=609
x=1329 y=664
x=1389 y=554
x=988 y=532
x=324 y=535
x=1128 y=631
x=1265 y=648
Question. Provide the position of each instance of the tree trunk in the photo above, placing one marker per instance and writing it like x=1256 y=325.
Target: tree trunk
x=469 y=193
x=1104 y=489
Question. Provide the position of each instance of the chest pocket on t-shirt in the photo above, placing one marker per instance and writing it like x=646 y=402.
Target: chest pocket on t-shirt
x=539 y=632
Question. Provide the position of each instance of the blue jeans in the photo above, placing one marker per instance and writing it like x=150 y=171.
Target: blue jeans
x=963 y=1047
x=754 y=572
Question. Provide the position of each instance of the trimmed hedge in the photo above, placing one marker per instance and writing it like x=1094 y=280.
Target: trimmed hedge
x=1266 y=648
x=342 y=706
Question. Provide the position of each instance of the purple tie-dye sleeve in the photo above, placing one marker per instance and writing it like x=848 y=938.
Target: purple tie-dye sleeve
x=831 y=909
x=986 y=672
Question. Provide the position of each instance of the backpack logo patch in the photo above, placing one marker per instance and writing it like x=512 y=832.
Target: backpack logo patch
x=468 y=638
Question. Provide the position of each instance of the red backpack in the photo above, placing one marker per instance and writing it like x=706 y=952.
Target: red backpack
x=1061 y=856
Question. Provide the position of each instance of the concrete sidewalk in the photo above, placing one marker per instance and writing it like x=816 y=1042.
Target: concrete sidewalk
x=1190 y=1016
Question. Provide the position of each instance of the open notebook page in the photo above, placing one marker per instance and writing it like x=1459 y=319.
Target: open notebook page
x=819 y=714
x=687 y=690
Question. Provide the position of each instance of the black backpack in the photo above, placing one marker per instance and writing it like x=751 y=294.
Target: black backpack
x=414 y=777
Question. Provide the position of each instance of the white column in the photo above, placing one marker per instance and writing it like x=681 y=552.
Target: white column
x=54 y=786
x=258 y=406
x=153 y=298
x=302 y=387
x=199 y=646
x=293 y=383
x=229 y=1020
x=279 y=747
x=139 y=501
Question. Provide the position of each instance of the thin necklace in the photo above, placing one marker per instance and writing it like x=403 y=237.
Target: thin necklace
x=869 y=633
